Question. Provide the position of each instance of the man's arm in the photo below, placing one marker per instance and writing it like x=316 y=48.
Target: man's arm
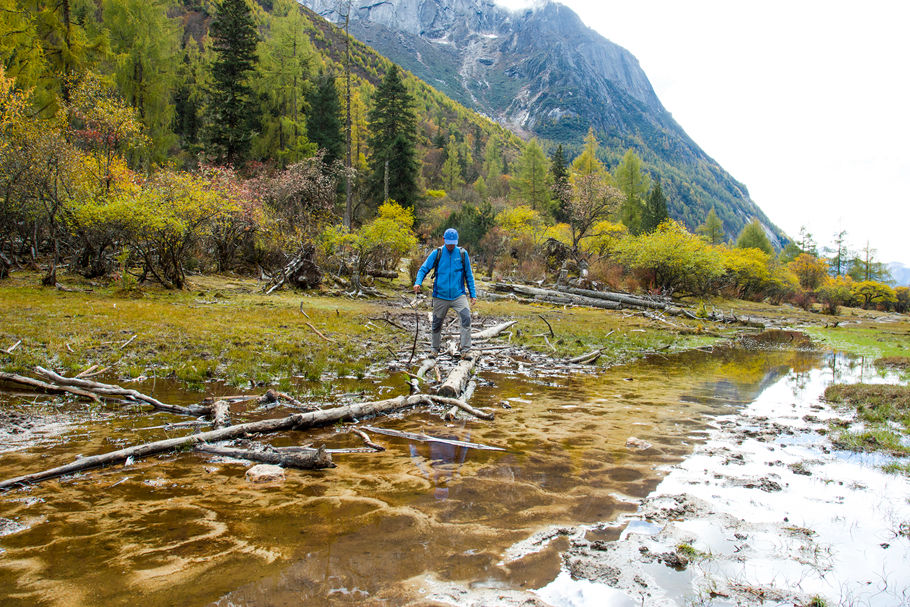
x=469 y=277
x=424 y=269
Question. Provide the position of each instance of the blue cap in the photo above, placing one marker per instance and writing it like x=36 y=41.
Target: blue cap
x=451 y=236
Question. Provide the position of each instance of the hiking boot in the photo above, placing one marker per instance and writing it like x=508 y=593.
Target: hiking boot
x=433 y=355
x=466 y=354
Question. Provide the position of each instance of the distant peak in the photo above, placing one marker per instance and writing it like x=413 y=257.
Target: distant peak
x=517 y=6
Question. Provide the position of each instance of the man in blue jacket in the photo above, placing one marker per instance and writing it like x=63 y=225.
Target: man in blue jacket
x=453 y=272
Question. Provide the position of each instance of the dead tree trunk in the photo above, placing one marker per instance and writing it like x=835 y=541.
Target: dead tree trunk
x=493 y=331
x=297 y=421
x=109 y=390
x=455 y=383
x=221 y=414
x=305 y=460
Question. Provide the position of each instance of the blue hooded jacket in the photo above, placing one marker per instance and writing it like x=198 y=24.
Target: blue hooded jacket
x=450 y=275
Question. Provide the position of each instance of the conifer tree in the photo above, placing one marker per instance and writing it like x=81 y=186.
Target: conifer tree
x=451 y=168
x=231 y=109
x=560 y=188
x=753 y=236
x=713 y=228
x=655 y=209
x=533 y=179
x=286 y=57
x=324 y=124
x=633 y=183
x=393 y=135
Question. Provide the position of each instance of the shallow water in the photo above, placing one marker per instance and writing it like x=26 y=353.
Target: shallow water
x=183 y=529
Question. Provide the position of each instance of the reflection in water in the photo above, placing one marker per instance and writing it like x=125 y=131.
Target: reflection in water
x=182 y=529
x=440 y=465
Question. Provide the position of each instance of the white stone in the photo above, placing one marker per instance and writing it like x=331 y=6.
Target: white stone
x=265 y=473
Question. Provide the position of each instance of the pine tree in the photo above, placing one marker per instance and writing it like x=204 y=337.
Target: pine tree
x=324 y=124
x=145 y=44
x=451 y=168
x=231 y=108
x=560 y=188
x=393 y=133
x=655 y=210
x=633 y=183
x=753 y=236
x=713 y=228
x=286 y=57
x=533 y=180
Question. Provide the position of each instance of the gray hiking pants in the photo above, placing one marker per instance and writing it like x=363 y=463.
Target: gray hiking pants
x=440 y=308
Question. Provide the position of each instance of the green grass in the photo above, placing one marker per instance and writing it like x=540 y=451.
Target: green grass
x=218 y=329
x=884 y=410
x=872 y=339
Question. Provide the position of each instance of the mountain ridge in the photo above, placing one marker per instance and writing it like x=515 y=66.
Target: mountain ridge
x=542 y=72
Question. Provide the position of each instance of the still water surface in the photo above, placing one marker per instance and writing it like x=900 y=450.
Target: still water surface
x=184 y=529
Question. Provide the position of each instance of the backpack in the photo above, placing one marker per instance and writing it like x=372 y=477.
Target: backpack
x=464 y=265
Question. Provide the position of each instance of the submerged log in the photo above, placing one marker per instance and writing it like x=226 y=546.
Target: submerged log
x=306 y=460
x=431 y=439
x=296 y=421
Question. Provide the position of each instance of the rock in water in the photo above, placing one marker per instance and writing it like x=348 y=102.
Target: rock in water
x=265 y=473
x=637 y=444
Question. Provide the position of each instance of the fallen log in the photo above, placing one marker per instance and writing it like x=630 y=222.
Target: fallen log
x=629 y=300
x=556 y=297
x=297 y=421
x=423 y=438
x=455 y=383
x=493 y=331
x=112 y=390
x=316 y=459
x=588 y=357
x=221 y=414
x=366 y=440
x=46 y=387
x=442 y=400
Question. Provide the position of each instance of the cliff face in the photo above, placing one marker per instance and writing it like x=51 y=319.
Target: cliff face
x=542 y=72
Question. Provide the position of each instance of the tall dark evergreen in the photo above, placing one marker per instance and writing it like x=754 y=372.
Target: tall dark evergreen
x=231 y=109
x=560 y=187
x=324 y=122
x=393 y=136
x=655 y=210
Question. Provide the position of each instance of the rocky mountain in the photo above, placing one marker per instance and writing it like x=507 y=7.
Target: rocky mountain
x=900 y=273
x=541 y=72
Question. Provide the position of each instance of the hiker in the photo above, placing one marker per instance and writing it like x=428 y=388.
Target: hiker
x=453 y=272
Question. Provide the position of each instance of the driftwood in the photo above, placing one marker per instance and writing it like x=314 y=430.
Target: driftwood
x=423 y=438
x=380 y=273
x=301 y=271
x=588 y=357
x=442 y=400
x=455 y=383
x=307 y=460
x=46 y=387
x=109 y=391
x=493 y=331
x=628 y=300
x=221 y=414
x=418 y=377
x=316 y=331
x=13 y=347
x=556 y=297
x=366 y=440
x=296 y=421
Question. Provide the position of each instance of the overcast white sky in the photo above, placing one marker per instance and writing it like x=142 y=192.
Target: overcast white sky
x=807 y=102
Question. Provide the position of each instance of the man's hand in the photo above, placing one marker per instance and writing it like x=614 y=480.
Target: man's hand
x=417 y=288
x=473 y=300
